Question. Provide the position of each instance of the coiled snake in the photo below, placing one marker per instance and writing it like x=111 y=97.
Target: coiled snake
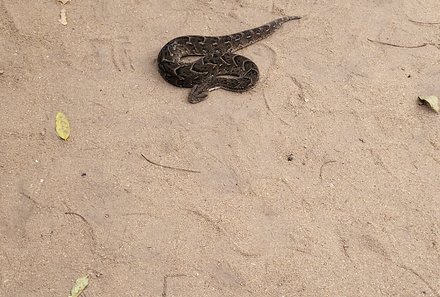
x=218 y=66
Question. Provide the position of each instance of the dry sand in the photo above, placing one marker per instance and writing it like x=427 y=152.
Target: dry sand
x=355 y=212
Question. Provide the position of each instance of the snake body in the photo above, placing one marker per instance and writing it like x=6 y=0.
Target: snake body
x=218 y=66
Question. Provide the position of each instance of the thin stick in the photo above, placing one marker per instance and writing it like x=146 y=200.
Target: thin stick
x=398 y=45
x=424 y=23
x=169 y=167
x=78 y=215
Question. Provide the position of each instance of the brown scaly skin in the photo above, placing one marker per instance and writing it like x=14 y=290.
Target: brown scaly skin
x=218 y=66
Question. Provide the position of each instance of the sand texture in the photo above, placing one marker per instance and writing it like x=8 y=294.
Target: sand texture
x=323 y=180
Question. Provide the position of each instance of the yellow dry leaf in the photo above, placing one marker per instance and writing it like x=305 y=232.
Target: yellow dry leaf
x=432 y=101
x=62 y=125
x=63 y=16
x=79 y=286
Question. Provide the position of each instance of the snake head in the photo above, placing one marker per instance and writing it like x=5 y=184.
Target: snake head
x=198 y=93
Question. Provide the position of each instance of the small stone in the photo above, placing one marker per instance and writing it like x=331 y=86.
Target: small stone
x=63 y=16
x=290 y=157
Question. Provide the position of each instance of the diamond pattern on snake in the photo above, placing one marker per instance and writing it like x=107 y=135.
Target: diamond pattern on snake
x=218 y=66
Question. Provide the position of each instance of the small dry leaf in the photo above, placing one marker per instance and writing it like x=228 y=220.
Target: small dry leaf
x=79 y=286
x=63 y=16
x=64 y=1
x=432 y=101
x=62 y=126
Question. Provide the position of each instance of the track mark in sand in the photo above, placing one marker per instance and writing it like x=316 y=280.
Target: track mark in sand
x=222 y=231
x=165 y=282
x=322 y=167
x=377 y=247
x=115 y=52
x=6 y=20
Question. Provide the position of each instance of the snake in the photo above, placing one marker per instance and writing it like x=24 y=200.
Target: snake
x=216 y=65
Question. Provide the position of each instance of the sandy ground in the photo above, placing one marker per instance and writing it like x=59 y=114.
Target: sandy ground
x=322 y=181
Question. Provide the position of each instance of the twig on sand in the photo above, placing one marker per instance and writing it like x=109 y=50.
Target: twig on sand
x=78 y=215
x=399 y=45
x=169 y=167
x=424 y=23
